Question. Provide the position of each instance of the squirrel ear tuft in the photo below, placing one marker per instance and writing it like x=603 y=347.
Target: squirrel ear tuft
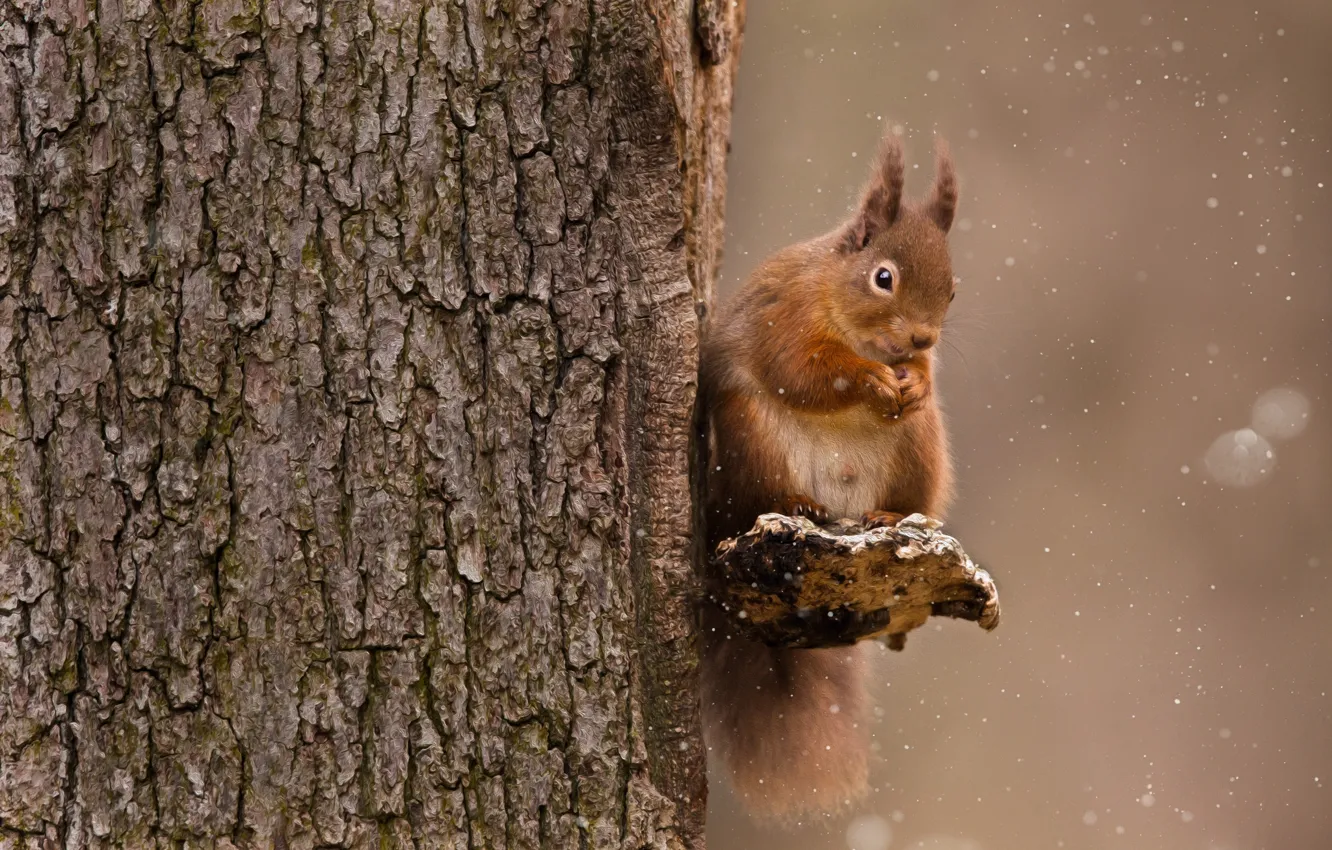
x=882 y=199
x=943 y=203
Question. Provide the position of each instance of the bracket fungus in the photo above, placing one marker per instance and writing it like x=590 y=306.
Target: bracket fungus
x=790 y=582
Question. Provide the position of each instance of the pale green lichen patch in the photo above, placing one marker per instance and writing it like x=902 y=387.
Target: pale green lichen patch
x=11 y=505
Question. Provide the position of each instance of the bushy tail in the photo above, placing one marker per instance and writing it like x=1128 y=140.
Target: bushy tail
x=790 y=725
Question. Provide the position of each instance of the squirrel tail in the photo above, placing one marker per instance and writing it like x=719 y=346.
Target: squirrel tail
x=790 y=725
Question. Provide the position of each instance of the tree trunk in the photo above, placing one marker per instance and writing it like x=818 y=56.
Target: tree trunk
x=347 y=351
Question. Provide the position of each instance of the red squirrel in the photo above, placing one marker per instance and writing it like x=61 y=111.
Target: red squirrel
x=817 y=378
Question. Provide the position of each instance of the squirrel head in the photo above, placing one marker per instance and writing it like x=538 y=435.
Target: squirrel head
x=896 y=274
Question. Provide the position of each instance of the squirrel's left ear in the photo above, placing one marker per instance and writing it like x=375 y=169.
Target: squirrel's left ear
x=943 y=203
x=882 y=200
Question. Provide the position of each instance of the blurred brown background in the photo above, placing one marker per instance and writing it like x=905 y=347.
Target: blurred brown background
x=1145 y=244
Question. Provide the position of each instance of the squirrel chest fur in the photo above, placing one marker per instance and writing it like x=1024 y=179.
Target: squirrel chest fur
x=843 y=460
x=817 y=378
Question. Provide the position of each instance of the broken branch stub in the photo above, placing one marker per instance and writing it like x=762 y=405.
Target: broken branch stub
x=789 y=582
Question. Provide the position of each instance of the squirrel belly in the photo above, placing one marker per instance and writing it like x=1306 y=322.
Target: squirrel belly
x=850 y=461
x=842 y=460
x=817 y=382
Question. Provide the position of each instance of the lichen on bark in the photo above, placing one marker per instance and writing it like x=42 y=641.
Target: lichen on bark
x=346 y=372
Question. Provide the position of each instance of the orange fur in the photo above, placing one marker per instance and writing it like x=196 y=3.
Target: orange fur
x=819 y=387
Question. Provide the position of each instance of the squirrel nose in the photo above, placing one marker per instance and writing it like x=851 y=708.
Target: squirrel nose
x=922 y=341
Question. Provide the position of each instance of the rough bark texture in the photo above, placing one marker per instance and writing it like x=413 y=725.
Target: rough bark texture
x=347 y=353
x=789 y=582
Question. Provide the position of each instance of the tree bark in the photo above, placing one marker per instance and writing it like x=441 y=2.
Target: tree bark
x=347 y=351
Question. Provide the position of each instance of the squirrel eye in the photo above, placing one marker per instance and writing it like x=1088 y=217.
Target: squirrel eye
x=884 y=278
x=951 y=297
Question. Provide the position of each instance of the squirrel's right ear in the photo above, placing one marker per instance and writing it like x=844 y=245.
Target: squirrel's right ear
x=882 y=200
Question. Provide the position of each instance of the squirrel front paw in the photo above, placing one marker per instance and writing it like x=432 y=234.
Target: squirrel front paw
x=884 y=389
x=803 y=506
x=914 y=386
